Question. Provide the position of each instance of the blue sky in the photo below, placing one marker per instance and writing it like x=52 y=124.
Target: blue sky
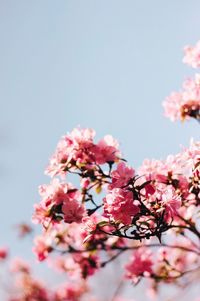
x=101 y=64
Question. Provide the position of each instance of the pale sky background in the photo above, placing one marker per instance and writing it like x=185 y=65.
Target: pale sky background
x=104 y=64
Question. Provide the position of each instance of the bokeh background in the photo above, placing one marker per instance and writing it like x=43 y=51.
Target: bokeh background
x=101 y=64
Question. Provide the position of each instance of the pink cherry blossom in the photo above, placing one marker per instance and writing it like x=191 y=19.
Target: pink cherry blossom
x=88 y=264
x=19 y=265
x=74 y=146
x=59 y=201
x=171 y=202
x=120 y=206
x=52 y=195
x=140 y=264
x=24 y=229
x=70 y=292
x=73 y=211
x=78 y=149
x=121 y=176
x=186 y=103
x=192 y=55
x=42 y=247
x=172 y=106
x=106 y=150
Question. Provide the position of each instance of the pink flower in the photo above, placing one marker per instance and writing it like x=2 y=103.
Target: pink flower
x=140 y=264
x=42 y=248
x=120 y=206
x=77 y=150
x=56 y=192
x=23 y=229
x=121 y=176
x=3 y=253
x=73 y=211
x=88 y=264
x=85 y=182
x=186 y=103
x=65 y=264
x=172 y=105
x=42 y=214
x=176 y=257
x=106 y=150
x=171 y=202
x=73 y=147
x=149 y=190
x=192 y=55
x=52 y=196
x=58 y=199
x=19 y=265
x=71 y=292
x=29 y=289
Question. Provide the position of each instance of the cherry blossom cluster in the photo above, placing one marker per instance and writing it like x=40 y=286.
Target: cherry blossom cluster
x=147 y=202
x=185 y=104
x=78 y=151
x=167 y=264
x=24 y=286
x=114 y=209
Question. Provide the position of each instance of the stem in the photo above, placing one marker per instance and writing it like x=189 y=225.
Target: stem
x=191 y=227
x=118 y=289
x=104 y=263
x=123 y=249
